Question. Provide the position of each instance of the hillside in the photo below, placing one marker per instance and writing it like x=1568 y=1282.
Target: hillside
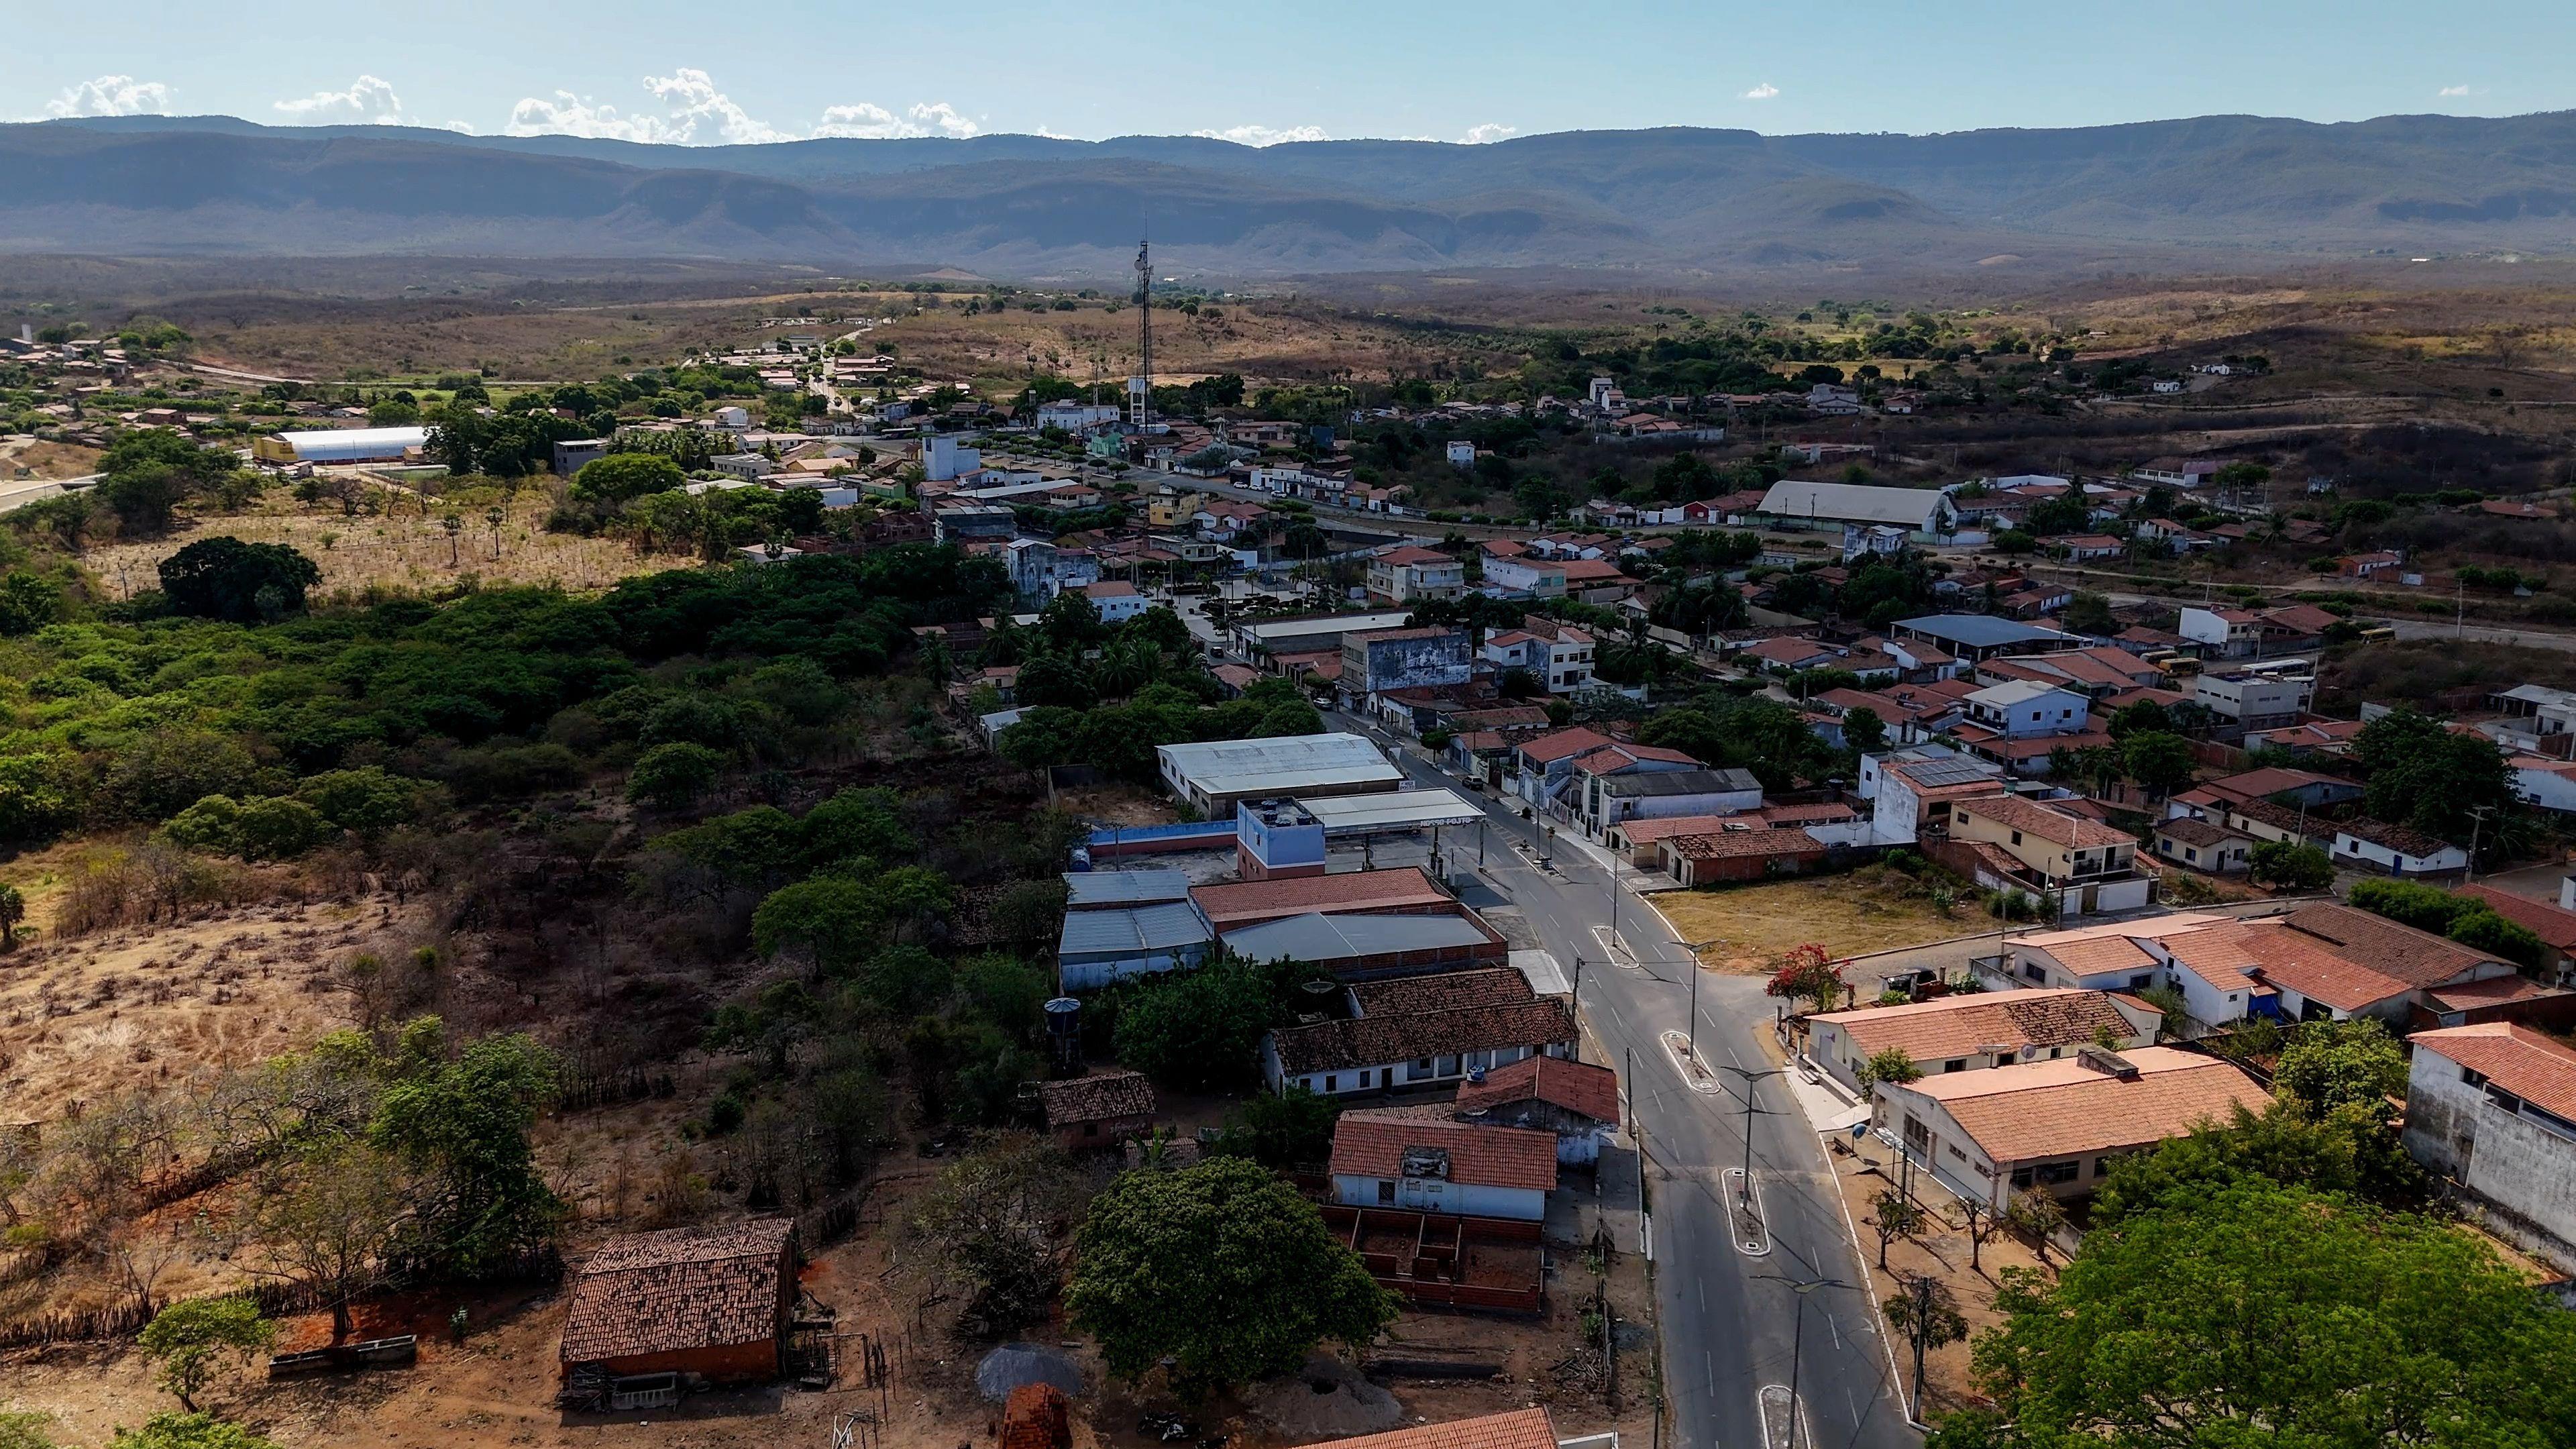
x=1668 y=199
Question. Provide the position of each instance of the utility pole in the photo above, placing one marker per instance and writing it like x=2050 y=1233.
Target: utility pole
x=1578 y=1008
x=2477 y=814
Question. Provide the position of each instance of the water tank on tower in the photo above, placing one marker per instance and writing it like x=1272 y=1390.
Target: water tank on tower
x=1064 y=1035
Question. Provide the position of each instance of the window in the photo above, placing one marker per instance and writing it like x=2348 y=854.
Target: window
x=2016 y=835
x=2021 y=1177
x=2142 y=980
x=2056 y=1172
x=1385 y=1190
x=1955 y=1152
x=2471 y=1076
x=1955 y=1064
x=1332 y=1083
x=1090 y=1129
x=1364 y=1079
x=2101 y=1167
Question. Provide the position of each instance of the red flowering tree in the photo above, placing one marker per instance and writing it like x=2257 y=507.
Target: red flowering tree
x=1806 y=973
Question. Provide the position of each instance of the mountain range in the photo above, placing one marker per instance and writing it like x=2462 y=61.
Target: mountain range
x=1674 y=199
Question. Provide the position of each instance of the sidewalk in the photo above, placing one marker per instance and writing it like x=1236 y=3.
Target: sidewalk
x=1829 y=1106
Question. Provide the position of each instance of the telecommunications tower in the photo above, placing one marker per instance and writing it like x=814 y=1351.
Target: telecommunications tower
x=1140 y=388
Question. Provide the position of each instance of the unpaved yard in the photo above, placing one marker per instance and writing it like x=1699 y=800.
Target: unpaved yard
x=1746 y=928
x=394 y=549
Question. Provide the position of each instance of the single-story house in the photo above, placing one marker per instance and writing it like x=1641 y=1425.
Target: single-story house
x=2396 y=849
x=2203 y=845
x=1422 y=1159
x=1977 y=1030
x=1754 y=852
x=1376 y=1053
x=2057 y=1126
x=1100 y=1110
x=1577 y=1101
x=714 y=1302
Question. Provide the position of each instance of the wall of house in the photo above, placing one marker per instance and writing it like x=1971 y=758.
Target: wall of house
x=2523 y=1171
x=733 y=1363
x=1395 y=1076
x=1526 y=1204
x=1089 y=973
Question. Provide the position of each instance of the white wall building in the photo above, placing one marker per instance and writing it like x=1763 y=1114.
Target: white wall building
x=2492 y=1107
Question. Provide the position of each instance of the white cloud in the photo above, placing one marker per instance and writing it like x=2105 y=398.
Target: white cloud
x=462 y=128
x=695 y=113
x=1490 y=131
x=2448 y=92
x=1265 y=135
x=1762 y=92
x=111 y=95
x=366 y=99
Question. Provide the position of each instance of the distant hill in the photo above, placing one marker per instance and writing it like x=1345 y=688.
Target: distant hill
x=1667 y=199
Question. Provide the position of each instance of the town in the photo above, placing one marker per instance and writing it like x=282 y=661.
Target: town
x=1112 y=853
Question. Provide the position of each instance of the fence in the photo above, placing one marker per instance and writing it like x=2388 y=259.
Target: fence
x=124 y=1320
x=1146 y=839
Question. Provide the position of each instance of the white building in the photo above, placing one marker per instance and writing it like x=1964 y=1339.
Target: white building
x=2396 y=849
x=946 y=458
x=2492 y=1107
x=1975 y=1031
x=2024 y=708
x=2256 y=699
x=1398 y=1159
x=1117 y=600
x=1462 y=454
x=1557 y=655
x=2056 y=1127
x=1216 y=775
x=1925 y=513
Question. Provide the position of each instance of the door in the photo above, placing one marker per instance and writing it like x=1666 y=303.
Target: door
x=1423 y=1194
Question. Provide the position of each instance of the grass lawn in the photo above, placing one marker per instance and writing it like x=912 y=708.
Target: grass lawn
x=1745 y=928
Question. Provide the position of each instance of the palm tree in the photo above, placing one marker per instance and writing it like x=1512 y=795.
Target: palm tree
x=454 y=524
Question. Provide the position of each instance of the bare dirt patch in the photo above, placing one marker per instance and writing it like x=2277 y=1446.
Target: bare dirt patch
x=397 y=548
x=1744 y=928
x=27 y=458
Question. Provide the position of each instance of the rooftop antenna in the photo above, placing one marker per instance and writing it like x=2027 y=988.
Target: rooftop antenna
x=1142 y=388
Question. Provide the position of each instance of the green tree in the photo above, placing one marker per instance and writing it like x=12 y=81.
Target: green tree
x=463 y=1125
x=327 y=1222
x=2090 y=613
x=1197 y=1030
x=2273 y=1315
x=190 y=1340
x=13 y=913
x=366 y=800
x=673 y=775
x=624 y=477
x=189 y=1431
x=28 y=603
x=1894 y=1065
x=1223 y=1269
x=2420 y=773
x=991 y=1222
x=276 y=828
x=2291 y=865
x=2161 y=762
x=245 y=583
x=2327 y=1065
x=1863 y=730
x=1281 y=1130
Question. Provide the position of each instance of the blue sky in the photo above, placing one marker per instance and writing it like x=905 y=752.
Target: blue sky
x=1282 y=69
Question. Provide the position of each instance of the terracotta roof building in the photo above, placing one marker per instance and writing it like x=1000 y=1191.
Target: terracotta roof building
x=1577 y=1102
x=2492 y=1108
x=1236 y=904
x=1429 y=1163
x=1983 y=1029
x=2056 y=1126
x=1441 y=991
x=1519 y=1429
x=709 y=1301
x=1099 y=1110
x=1385 y=1053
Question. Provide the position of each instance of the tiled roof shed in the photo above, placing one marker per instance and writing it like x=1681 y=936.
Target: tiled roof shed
x=1374 y=1040
x=708 y=1301
x=1519 y=1429
x=1101 y=1097
x=1584 y=1087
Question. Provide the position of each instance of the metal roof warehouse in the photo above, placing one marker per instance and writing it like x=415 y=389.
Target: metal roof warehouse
x=1216 y=775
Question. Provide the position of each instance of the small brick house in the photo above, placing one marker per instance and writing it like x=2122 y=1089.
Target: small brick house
x=714 y=1302
x=1100 y=1110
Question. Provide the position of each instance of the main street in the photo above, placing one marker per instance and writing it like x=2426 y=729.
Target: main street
x=1730 y=1318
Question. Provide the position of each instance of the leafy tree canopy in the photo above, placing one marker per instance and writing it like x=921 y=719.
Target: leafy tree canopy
x=225 y=578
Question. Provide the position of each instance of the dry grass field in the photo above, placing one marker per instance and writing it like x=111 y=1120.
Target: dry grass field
x=30 y=457
x=1744 y=929
x=395 y=549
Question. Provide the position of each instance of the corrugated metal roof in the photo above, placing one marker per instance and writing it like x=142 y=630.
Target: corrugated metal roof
x=1978 y=631
x=1317 y=937
x=1121 y=930
x=1854 y=502
x=1125 y=887
x=1396 y=810
x=1281 y=766
x=326 y=443
x=1658 y=783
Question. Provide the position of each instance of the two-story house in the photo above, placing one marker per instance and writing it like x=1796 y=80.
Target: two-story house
x=1410 y=572
x=1559 y=656
x=2020 y=844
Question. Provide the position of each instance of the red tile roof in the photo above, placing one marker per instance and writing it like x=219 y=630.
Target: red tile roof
x=1953 y=1026
x=2553 y=926
x=1100 y=1097
x=1368 y=1041
x=1547 y=749
x=1249 y=903
x=2056 y=826
x=1374 y=1144
x=1734 y=844
x=1441 y=991
x=1519 y=1429
x=1584 y=1087
x=681 y=1288
x=2224 y=956
x=1414 y=554
x=2536 y=1068
x=2063 y=1108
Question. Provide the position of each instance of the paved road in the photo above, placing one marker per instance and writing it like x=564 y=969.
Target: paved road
x=1728 y=1319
